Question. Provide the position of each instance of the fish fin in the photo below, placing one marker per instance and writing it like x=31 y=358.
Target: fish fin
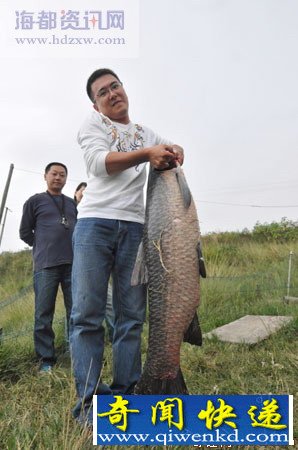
x=139 y=274
x=202 y=267
x=193 y=334
x=148 y=385
x=184 y=189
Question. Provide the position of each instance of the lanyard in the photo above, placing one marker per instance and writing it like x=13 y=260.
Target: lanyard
x=61 y=210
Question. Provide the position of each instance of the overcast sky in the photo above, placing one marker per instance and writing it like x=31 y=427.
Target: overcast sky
x=219 y=77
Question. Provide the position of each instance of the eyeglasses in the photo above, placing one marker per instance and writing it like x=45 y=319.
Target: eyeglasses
x=102 y=93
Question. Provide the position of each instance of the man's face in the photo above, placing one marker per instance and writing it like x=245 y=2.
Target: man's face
x=110 y=98
x=56 y=179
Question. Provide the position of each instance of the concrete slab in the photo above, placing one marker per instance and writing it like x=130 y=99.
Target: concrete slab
x=249 y=329
x=289 y=299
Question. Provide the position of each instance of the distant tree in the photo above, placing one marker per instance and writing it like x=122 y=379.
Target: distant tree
x=284 y=231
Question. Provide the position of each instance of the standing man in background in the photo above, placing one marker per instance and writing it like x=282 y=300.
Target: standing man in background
x=106 y=239
x=47 y=224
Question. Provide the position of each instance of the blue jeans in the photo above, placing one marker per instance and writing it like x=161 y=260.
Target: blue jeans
x=46 y=283
x=103 y=247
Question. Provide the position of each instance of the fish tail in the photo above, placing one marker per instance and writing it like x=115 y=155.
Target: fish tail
x=147 y=385
x=193 y=334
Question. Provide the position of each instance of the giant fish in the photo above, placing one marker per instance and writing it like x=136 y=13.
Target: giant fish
x=168 y=260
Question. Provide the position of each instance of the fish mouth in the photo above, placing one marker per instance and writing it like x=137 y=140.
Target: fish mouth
x=174 y=168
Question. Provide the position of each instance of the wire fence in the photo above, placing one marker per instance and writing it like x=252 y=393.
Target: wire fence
x=254 y=284
x=24 y=332
x=15 y=297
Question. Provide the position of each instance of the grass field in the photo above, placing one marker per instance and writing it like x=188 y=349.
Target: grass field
x=246 y=275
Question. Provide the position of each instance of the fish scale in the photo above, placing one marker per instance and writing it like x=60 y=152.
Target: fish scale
x=169 y=252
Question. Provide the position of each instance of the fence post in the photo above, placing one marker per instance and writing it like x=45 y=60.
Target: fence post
x=289 y=274
x=6 y=191
x=3 y=223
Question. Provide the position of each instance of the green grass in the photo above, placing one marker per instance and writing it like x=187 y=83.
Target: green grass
x=245 y=276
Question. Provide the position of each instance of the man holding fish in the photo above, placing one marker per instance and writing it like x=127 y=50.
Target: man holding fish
x=107 y=236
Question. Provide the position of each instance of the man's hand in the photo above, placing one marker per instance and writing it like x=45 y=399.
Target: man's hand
x=162 y=156
x=179 y=152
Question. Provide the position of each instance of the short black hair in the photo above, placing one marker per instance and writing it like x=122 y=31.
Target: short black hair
x=83 y=183
x=94 y=76
x=79 y=186
x=48 y=167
